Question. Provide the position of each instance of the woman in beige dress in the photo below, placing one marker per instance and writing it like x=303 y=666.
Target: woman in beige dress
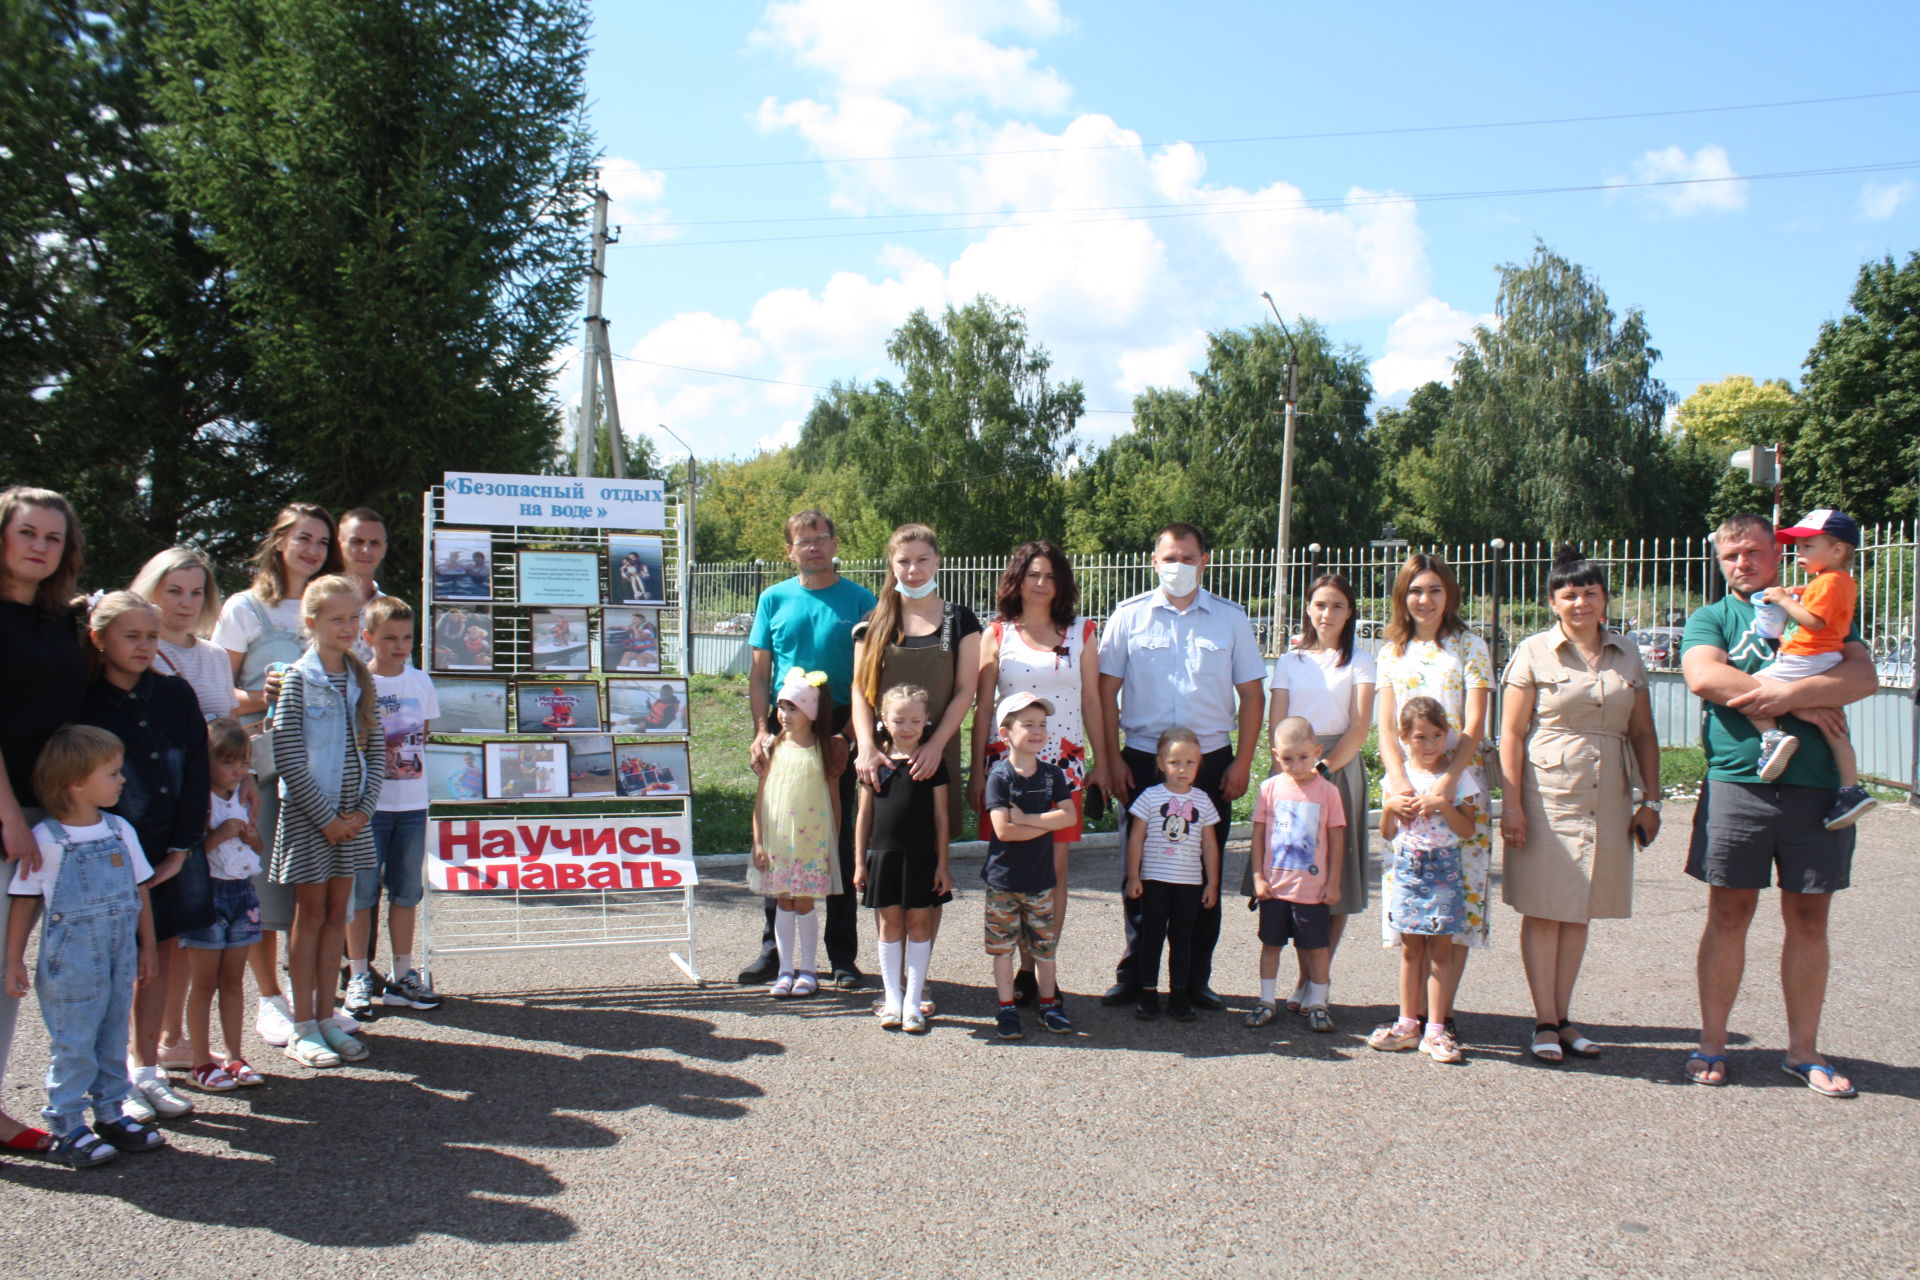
x=1576 y=740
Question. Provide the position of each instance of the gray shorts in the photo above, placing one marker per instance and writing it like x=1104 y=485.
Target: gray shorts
x=1746 y=833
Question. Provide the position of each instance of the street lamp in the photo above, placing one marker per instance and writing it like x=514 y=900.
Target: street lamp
x=1284 y=537
x=686 y=557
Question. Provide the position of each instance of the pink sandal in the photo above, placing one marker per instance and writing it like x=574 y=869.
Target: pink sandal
x=242 y=1074
x=213 y=1078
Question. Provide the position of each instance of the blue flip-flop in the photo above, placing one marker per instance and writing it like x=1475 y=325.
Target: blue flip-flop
x=1804 y=1073
x=1711 y=1059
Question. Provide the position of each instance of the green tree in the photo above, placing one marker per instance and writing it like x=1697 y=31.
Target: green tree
x=398 y=192
x=1403 y=445
x=1860 y=447
x=1211 y=453
x=138 y=366
x=972 y=440
x=1553 y=426
x=1720 y=418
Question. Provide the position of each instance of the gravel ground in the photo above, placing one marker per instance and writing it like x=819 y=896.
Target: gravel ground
x=592 y=1113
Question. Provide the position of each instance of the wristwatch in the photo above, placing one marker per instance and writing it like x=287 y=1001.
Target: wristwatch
x=1651 y=804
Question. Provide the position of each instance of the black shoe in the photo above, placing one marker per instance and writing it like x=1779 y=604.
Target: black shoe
x=1026 y=988
x=1120 y=993
x=1180 y=1008
x=761 y=971
x=1203 y=998
x=847 y=979
x=1148 y=1006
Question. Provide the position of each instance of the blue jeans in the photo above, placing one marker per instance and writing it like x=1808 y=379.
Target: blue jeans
x=89 y=957
x=400 y=851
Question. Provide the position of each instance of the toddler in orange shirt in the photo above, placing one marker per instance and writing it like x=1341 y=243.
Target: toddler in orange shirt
x=1822 y=614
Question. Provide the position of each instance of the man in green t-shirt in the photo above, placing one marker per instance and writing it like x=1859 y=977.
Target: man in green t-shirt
x=1749 y=834
x=807 y=622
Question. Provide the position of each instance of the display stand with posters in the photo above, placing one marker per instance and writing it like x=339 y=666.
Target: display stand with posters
x=561 y=809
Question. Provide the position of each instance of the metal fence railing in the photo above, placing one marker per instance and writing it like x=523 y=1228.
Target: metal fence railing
x=1656 y=583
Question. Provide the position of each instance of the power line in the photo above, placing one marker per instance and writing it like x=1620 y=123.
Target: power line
x=1216 y=209
x=1293 y=137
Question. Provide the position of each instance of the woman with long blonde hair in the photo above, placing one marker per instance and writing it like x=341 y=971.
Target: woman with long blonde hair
x=914 y=637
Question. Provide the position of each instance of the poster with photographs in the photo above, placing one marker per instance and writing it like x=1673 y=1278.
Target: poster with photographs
x=590 y=765
x=651 y=769
x=463 y=638
x=647 y=706
x=630 y=640
x=470 y=706
x=526 y=771
x=462 y=565
x=455 y=774
x=558 y=708
x=560 y=640
x=636 y=571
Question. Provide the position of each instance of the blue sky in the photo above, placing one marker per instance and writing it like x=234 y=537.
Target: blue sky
x=776 y=214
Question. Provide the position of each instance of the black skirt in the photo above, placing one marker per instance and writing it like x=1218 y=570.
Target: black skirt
x=899 y=878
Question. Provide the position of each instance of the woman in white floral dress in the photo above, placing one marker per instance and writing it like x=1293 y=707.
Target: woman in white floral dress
x=1430 y=651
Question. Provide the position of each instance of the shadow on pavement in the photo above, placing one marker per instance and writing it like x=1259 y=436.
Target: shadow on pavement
x=417 y=1139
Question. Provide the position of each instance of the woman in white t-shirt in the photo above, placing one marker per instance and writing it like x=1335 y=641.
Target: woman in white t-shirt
x=1329 y=682
x=179 y=584
x=259 y=627
x=1039 y=644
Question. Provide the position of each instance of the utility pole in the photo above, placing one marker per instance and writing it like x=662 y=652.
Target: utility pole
x=1283 y=541
x=593 y=356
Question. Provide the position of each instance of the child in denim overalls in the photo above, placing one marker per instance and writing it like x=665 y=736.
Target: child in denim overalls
x=97 y=941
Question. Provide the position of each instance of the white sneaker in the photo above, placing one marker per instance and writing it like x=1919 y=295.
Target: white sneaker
x=136 y=1108
x=274 y=1023
x=178 y=1056
x=160 y=1095
x=346 y=1021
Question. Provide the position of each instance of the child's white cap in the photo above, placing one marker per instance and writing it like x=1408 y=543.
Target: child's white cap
x=1014 y=703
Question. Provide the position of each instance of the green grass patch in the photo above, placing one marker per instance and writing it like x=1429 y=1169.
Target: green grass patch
x=723 y=786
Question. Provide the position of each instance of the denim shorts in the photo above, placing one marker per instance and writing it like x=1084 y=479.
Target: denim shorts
x=400 y=851
x=236 y=919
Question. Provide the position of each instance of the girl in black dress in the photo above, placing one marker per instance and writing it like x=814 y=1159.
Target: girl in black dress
x=900 y=857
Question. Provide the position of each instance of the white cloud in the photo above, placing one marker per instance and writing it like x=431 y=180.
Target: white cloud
x=851 y=316
x=1170 y=364
x=785 y=436
x=1878 y=200
x=1421 y=345
x=926 y=51
x=634 y=198
x=1708 y=183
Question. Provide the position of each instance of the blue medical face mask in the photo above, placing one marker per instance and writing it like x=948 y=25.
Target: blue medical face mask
x=920 y=592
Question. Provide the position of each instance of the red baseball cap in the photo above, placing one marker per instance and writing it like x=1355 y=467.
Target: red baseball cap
x=1826 y=520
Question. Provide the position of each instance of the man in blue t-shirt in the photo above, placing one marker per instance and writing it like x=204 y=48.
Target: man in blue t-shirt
x=807 y=622
x=1747 y=833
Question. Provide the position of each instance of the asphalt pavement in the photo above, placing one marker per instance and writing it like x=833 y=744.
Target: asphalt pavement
x=586 y=1113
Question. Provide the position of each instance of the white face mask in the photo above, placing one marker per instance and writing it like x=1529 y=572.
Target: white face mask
x=1178 y=578
x=920 y=592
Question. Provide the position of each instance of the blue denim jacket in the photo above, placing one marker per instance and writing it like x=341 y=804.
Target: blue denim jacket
x=327 y=728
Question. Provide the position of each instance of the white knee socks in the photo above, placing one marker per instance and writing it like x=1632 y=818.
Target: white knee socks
x=918 y=954
x=808 y=929
x=891 y=954
x=783 y=937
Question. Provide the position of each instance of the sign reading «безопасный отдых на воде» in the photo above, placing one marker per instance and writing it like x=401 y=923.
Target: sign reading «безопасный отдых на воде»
x=484 y=497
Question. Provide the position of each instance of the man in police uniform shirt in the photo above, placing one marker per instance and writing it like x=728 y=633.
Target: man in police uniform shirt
x=1180 y=655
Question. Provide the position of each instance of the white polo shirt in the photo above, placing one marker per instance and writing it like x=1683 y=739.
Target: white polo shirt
x=1179 y=667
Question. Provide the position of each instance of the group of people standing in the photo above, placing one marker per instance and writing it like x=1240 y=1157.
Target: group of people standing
x=1166 y=710
x=158 y=865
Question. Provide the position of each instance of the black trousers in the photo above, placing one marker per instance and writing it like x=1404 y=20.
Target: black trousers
x=1206 y=924
x=842 y=933
x=1167 y=915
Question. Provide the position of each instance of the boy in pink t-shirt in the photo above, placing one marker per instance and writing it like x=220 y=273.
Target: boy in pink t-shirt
x=1296 y=869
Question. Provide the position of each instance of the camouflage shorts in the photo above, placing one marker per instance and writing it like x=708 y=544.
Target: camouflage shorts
x=1014 y=919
